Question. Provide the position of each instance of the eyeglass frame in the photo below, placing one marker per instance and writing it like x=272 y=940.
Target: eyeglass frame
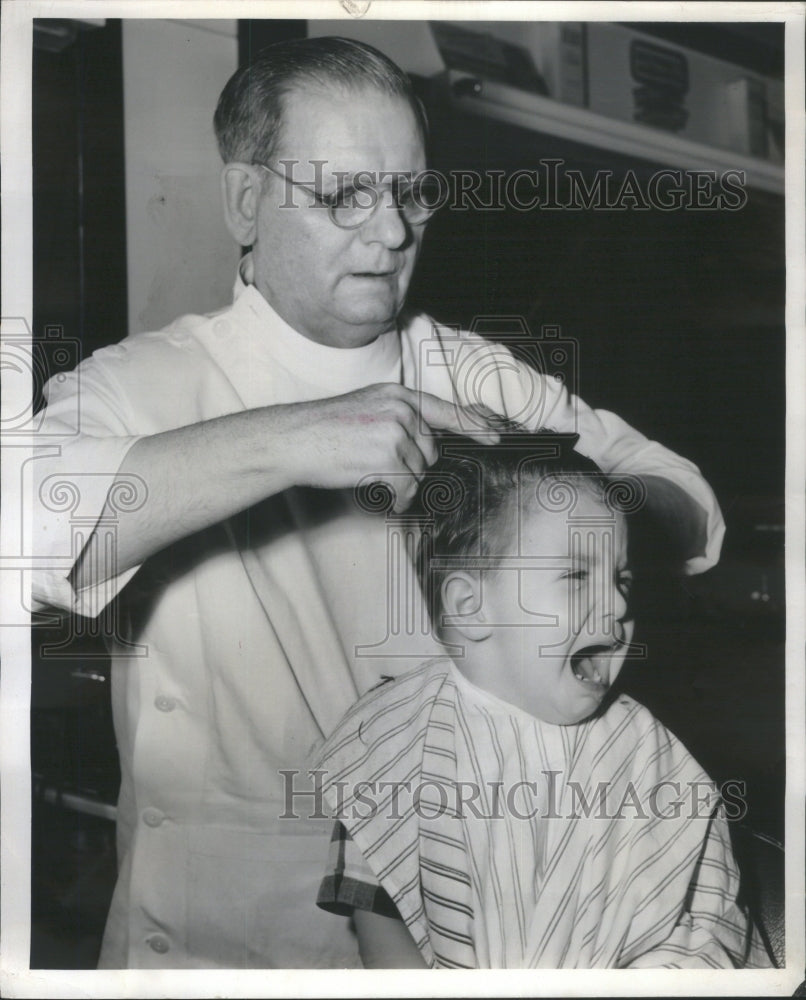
x=325 y=200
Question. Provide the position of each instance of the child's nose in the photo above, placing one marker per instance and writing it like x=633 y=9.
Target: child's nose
x=619 y=603
x=610 y=611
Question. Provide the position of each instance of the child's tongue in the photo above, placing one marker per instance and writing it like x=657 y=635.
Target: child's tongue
x=591 y=664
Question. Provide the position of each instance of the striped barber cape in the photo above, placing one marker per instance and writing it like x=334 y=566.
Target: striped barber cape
x=507 y=842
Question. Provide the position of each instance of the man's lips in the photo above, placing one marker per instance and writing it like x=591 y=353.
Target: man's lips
x=393 y=266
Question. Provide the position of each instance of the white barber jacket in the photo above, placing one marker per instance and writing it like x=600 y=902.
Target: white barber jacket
x=238 y=649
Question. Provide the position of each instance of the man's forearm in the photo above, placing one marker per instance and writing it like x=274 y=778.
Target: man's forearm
x=195 y=476
x=684 y=521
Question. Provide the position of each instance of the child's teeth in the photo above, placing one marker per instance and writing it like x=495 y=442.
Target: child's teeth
x=591 y=669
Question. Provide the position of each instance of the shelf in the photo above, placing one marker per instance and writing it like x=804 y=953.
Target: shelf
x=565 y=121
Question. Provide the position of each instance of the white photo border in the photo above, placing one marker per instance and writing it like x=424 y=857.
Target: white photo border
x=16 y=979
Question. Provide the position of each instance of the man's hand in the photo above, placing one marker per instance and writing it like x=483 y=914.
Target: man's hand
x=203 y=473
x=384 y=432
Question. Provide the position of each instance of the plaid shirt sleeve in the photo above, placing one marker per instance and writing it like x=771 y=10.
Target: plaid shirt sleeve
x=349 y=883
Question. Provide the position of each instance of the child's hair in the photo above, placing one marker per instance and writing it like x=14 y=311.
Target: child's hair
x=466 y=499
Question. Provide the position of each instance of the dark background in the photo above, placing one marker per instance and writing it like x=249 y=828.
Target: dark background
x=677 y=323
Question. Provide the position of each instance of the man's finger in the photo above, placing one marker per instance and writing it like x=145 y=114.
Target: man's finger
x=426 y=442
x=478 y=423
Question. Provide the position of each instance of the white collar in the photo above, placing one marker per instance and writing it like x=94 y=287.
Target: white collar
x=253 y=336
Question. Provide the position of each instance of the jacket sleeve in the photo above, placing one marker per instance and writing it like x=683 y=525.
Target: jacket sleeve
x=81 y=441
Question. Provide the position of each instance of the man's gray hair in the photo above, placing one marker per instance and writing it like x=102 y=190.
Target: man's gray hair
x=249 y=116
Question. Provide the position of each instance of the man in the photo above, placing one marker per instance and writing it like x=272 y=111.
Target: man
x=260 y=612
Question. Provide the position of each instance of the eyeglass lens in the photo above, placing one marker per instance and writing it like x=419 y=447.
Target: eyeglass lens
x=417 y=201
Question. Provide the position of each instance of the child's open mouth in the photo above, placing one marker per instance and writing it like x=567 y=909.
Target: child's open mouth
x=591 y=664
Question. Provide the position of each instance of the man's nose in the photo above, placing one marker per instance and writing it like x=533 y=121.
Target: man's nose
x=386 y=224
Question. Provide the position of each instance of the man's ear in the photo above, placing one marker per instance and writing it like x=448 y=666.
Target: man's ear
x=462 y=606
x=240 y=189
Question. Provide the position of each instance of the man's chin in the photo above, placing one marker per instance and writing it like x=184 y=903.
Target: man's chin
x=364 y=326
x=361 y=333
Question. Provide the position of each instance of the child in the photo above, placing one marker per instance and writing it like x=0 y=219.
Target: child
x=498 y=806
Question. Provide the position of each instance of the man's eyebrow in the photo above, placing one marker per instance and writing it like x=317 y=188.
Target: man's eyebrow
x=369 y=178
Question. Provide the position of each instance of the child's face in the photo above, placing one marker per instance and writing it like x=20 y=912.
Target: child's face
x=556 y=631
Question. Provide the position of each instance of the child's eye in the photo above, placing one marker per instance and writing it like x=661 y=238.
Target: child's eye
x=578 y=575
x=625 y=582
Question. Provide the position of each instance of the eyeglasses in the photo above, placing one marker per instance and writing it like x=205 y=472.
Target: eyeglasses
x=354 y=203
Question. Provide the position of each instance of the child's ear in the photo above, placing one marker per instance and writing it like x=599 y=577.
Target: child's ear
x=462 y=606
